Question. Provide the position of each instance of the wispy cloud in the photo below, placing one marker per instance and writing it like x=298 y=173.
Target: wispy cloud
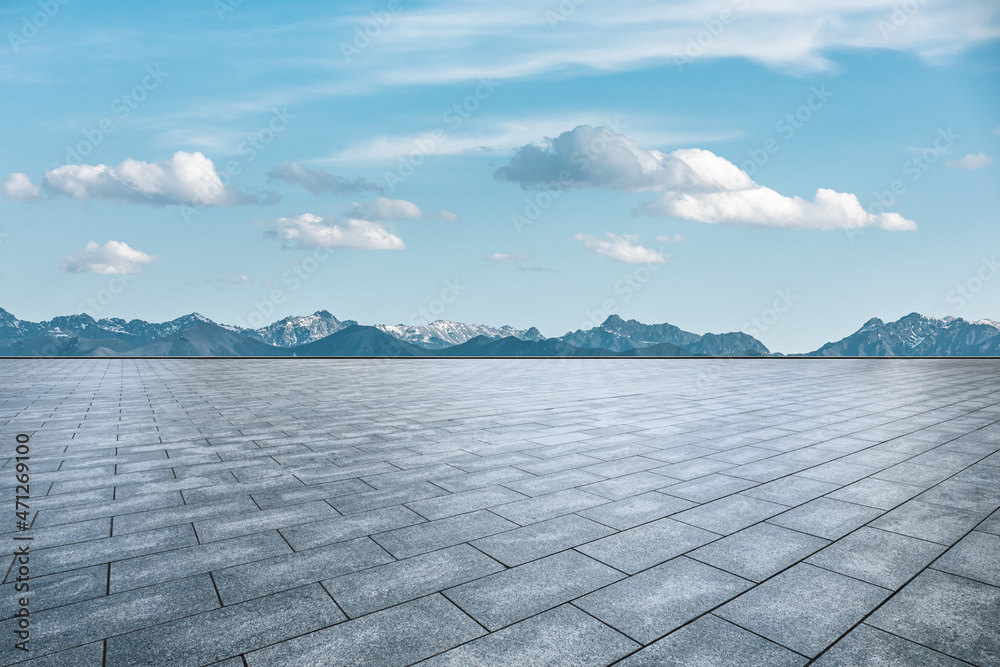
x=383 y=208
x=625 y=248
x=524 y=261
x=970 y=162
x=320 y=182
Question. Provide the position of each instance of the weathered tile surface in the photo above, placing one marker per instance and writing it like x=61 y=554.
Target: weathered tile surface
x=687 y=512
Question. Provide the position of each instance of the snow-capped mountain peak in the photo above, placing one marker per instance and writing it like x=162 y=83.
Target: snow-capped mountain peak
x=445 y=333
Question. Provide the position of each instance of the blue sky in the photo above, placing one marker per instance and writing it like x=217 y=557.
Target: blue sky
x=715 y=165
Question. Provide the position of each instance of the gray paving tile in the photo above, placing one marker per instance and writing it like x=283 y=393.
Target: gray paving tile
x=382 y=586
x=826 y=518
x=693 y=468
x=260 y=521
x=56 y=590
x=341 y=528
x=791 y=491
x=635 y=510
x=549 y=506
x=950 y=614
x=562 y=636
x=94 y=552
x=914 y=474
x=924 y=521
x=467 y=501
x=406 y=634
x=372 y=500
x=805 y=608
x=650 y=544
x=866 y=645
x=227 y=631
x=244 y=582
x=81 y=656
x=708 y=488
x=513 y=595
x=838 y=472
x=180 y=514
x=628 y=485
x=730 y=514
x=424 y=537
x=879 y=493
x=477 y=480
x=759 y=551
x=200 y=559
x=975 y=497
x=544 y=538
x=712 y=642
x=975 y=556
x=652 y=603
x=879 y=557
x=300 y=494
x=76 y=624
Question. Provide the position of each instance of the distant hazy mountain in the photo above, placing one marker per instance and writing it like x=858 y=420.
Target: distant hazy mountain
x=66 y=346
x=84 y=326
x=658 y=350
x=358 y=341
x=512 y=346
x=918 y=336
x=619 y=335
x=293 y=331
x=443 y=333
x=207 y=340
x=323 y=335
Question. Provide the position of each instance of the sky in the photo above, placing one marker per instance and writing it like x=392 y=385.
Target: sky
x=781 y=168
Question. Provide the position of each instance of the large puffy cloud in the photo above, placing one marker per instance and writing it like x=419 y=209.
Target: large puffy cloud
x=18 y=187
x=313 y=231
x=383 y=208
x=597 y=157
x=695 y=183
x=112 y=257
x=187 y=179
x=320 y=182
x=625 y=248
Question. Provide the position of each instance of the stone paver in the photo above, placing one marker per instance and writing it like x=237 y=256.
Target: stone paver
x=690 y=512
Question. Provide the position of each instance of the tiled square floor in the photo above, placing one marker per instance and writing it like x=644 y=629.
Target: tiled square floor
x=506 y=512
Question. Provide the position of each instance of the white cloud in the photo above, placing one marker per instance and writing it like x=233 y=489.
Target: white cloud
x=764 y=207
x=523 y=261
x=625 y=248
x=676 y=238
x=447 y=42
x=696 y=184
x=320 y=182
x=598 y=157
x=383 y=208
x=970 y=162
x=18 y=187
x=186 y=179
x=112 y=257
x=996 y=130
x=313 y=231
x=507 y=258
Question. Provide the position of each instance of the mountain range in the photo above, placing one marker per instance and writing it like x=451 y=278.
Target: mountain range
x=323 y=335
